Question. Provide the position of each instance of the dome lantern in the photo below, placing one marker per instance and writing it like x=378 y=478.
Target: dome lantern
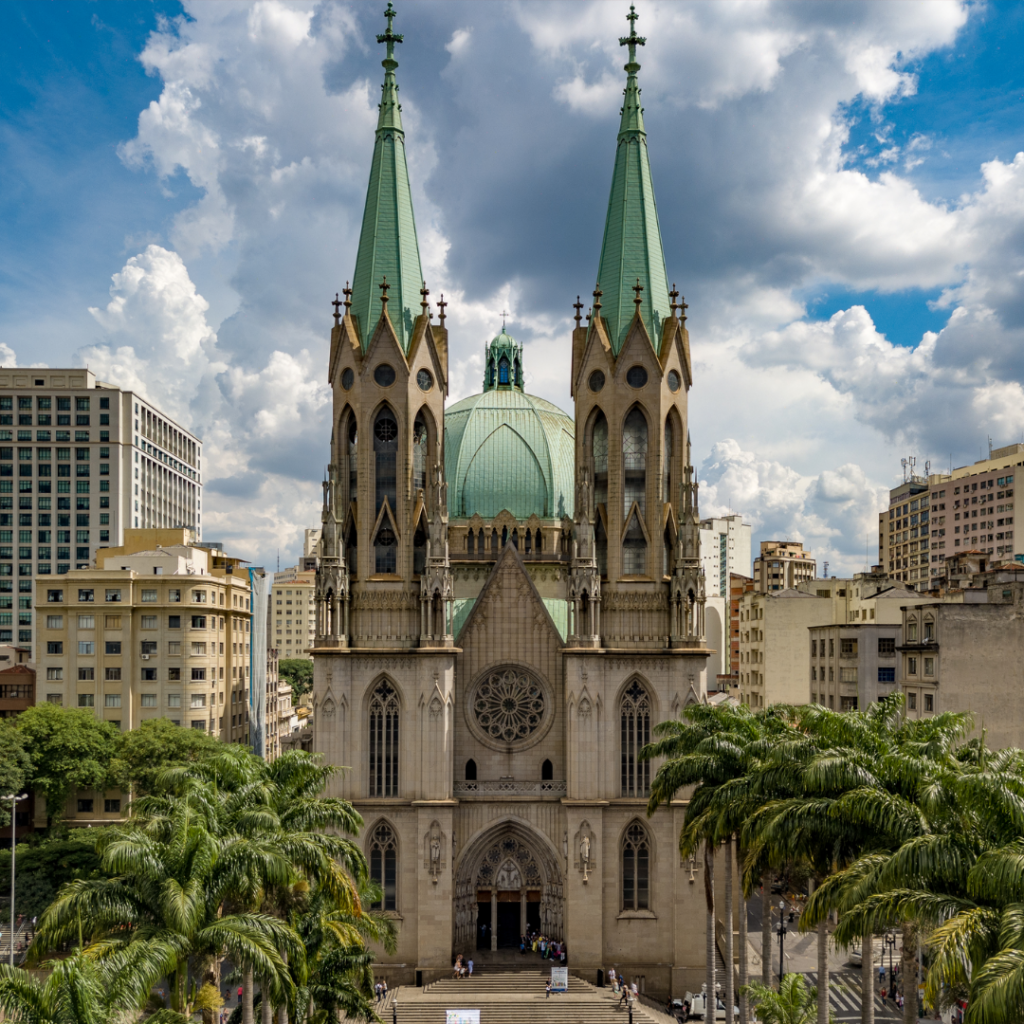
x=503 y=364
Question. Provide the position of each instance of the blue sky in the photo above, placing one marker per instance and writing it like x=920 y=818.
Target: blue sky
x=181 y=188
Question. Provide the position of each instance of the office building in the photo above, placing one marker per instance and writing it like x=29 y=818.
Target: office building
x=782 y=565
x=291 y=614
x=724 y=549
x=81 y=461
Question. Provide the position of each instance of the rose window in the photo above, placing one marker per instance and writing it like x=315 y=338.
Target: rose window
x=509 y=705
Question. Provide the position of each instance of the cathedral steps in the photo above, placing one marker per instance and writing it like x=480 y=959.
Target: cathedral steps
x=511 y=997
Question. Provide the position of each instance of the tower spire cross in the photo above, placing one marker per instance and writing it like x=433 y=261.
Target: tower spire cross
x=336 y=304
x=504 y=314
x=632 y=40
x=384 y=286
x=390 y=37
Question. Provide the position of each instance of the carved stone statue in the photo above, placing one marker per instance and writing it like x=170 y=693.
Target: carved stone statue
x=435 y=854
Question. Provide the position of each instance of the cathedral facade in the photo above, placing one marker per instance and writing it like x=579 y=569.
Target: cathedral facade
x=509 y=599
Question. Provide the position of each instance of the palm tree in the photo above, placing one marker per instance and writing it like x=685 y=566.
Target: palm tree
x=794 y=1003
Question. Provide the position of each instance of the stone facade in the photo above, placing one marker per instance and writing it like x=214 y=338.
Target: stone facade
x=490 y=660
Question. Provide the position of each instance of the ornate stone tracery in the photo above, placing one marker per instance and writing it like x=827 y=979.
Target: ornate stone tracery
x=509 y=705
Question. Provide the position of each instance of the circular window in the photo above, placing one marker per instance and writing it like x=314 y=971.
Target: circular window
x=510 y=707
x=425 y=381
x=385 y=429
x=636 y=376
x=597 y=380
x=348 y=378
x=673 y=381
x=384 y=375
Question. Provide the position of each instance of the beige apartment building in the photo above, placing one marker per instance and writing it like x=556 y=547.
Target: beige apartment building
x=160 y=628
x=903 y=543
x=291 y=614
x=779 y=632
x=968 y=656
x=782 y=564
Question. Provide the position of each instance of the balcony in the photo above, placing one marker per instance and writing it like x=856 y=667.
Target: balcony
x=510 y=787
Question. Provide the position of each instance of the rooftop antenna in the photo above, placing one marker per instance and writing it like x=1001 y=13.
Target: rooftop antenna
x=824 y=570
x=278 y=559
x=928 y=468
x=903 y=463
x=990 y=446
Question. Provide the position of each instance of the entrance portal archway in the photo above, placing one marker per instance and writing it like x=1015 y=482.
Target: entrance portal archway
x=507 y=878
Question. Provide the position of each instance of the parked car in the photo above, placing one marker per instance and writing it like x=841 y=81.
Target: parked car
x=698 y=1006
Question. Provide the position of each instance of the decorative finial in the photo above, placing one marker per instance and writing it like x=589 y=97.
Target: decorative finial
x=384 y=286
x=336 y=304
x=441 y=306
x=683 y=307
x=632 y=40
x=390 y=37
x=347 y=292
x=638 y=288
x=577 y=305
x=424 y=305
x=597 y=299
x=673 y=295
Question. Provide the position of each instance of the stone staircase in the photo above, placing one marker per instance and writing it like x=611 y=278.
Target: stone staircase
x=512 y=997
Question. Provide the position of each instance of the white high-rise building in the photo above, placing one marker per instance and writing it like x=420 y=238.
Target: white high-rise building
x=724 y=548
x=82 y=461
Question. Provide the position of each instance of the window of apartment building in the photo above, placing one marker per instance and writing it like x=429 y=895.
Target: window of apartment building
x=148 y=596
x=86 y=647
x=54 y=621
x=887 y=675
x=85 y=806
x=86 y=621
x=55 y=698
x=174 y=700
x=149 y=675
x=55 y=673
x=198 y=675
x=198 y=648
x=174 y=674
x=86 y=700
x=111 y=621
x=912 y=630
x=112 y=806
x=54 y=596
x=911 y=666
x=199 y=622
x=148 y=647
x=831 y=675
x=85 y=596
x=199 y=597
x=886 y=646
x=197 y=700
x=847 y=648
x=112 y=700
x=149 y=622
x=929 y=666
x=112 y=646
x=112 y=674
x=929 y=630
x=814 y=648
x=148 y=700
x=174 y=622
x=54 y=647
x=831 y=647
x=847 y=703
x=929 y=702
x=174 y=596
x=814 y=674
x=912 y=701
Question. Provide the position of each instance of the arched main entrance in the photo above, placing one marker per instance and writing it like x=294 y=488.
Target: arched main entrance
x=507 y=879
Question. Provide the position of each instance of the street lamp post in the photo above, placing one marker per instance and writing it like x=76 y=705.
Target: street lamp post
x=890 y=941
x=14 y=801
x=782 y=939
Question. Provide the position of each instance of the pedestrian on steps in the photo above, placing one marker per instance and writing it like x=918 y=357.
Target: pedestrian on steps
x=547 y=990
x=469 y=965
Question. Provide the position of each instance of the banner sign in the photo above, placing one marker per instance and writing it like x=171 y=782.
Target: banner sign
x=559 y=979
x=462 y=1017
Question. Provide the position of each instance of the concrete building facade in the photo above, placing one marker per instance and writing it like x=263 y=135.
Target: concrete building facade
x=781 y=565
x=81 y=461
x=291 y=615
x=903 y=533
x=724 y=550
x=160 y=629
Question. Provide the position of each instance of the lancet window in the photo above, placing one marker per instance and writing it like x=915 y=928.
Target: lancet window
x=599 y=452
x=636 y=868
x=353 y=474
x=385 y=450
x=384 y=865
x=635 y=724
x=384 y=711
x=419 y=455
x=634 y=462
x=666 y=467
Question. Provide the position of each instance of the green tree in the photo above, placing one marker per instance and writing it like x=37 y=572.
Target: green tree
x=298 y=673
x=141 y=754
x=15 y=766
x=70 y=749
x=47 y=862
x=795 y=1002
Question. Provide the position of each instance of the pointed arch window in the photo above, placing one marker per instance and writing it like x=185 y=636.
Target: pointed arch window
x=385 y=451
x=384 y=865
x=547 y=771
x=634 y=462
x=385 y=550
x=351 y=550
x=601 y=546
x=634 y=548
x=419 y=455
x=666 y=469
x=599 y=453
x=419 y=548
x=471 y=770
x=353 y=474
x=635 y=725
x=503 y=371
x=384 y=741
x=636 y=868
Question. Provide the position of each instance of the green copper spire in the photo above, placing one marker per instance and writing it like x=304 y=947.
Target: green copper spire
x=387 y=242
x=631 y=252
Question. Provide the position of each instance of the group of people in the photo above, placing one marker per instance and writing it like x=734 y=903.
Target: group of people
x=892 y=991
x=380 y=990
x=463 y=968
x=627 y=993
x=549 y=949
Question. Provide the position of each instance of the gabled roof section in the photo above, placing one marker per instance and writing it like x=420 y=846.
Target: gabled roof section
x=388 y=246
x=632 y=252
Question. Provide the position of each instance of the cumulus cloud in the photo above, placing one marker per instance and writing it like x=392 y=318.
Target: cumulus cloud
x=267 y=112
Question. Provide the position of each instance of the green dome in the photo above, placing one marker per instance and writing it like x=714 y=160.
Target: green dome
x=505 y=449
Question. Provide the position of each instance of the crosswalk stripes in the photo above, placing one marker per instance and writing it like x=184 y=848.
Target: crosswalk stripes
x=844 y=996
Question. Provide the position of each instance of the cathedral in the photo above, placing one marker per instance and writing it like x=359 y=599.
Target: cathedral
x=509 y=599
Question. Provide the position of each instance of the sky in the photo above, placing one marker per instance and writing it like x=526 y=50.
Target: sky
x=840 y=189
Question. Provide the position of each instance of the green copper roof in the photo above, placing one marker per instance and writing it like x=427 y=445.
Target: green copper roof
x=632 y=247
x=510 y=375
x=508 y=450
x=387 y=242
